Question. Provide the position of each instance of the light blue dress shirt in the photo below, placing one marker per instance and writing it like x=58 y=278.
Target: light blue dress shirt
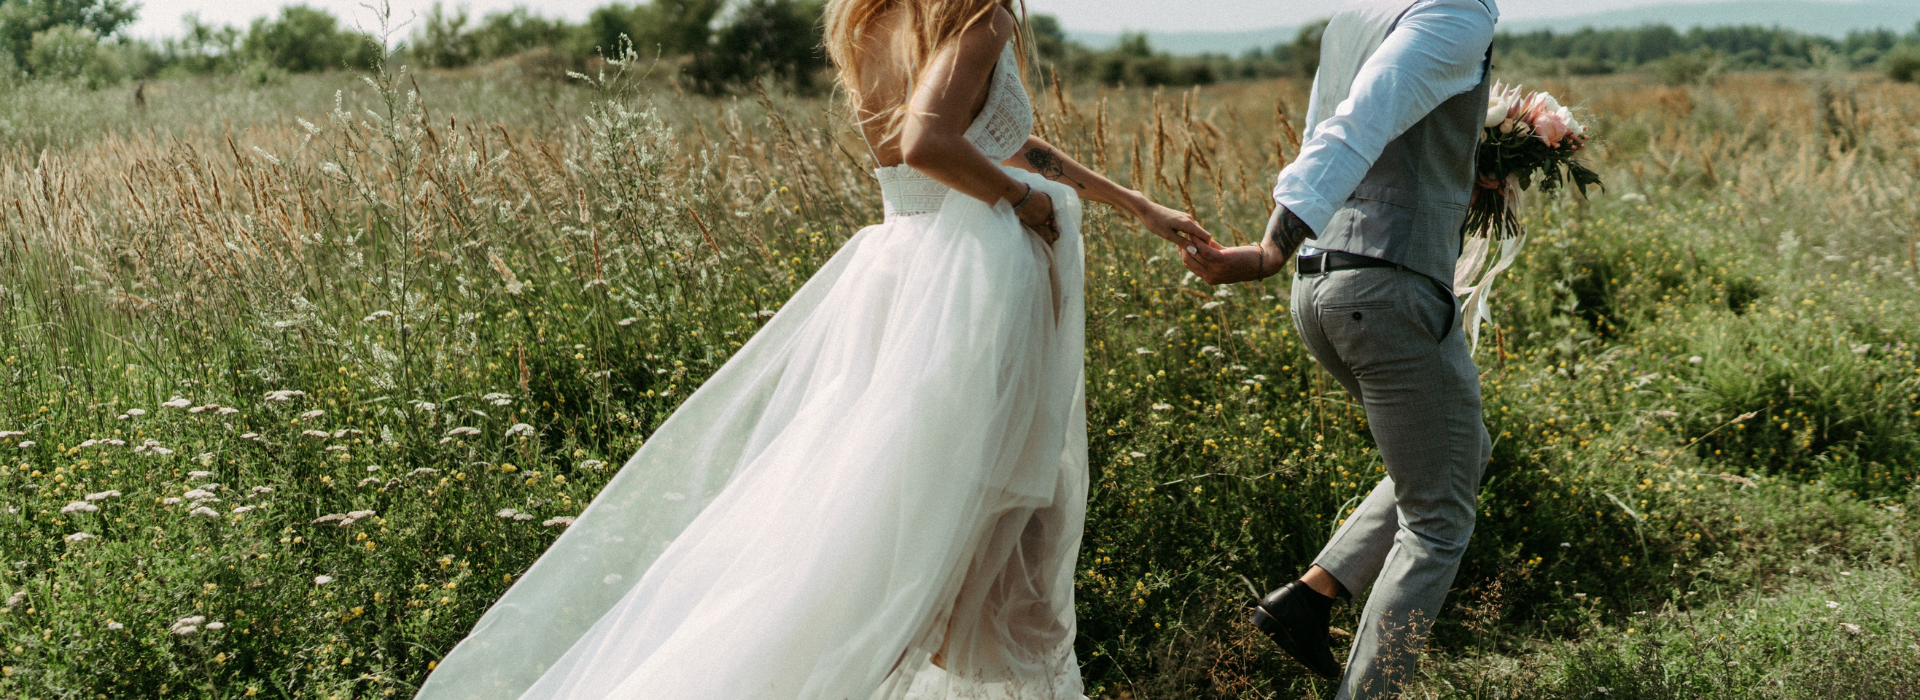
x=1435 y=52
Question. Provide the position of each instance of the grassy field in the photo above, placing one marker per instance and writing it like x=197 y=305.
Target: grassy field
x=295 y=379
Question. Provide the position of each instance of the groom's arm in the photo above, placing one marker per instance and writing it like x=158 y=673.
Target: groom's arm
x=1435 y=51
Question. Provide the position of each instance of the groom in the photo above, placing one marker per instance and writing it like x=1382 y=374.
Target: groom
x=1381 y=187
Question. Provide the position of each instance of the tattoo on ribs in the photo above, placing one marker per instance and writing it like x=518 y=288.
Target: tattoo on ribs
x=1050 y=166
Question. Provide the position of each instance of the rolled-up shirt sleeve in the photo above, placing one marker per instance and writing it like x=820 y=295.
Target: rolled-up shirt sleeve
x=1435 y=51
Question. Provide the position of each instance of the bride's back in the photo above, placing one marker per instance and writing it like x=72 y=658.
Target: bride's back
x=883 y=47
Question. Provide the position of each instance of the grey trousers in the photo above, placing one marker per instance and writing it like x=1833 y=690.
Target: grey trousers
x=1391 y=337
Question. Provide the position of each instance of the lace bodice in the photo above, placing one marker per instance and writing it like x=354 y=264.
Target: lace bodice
x=999 y=132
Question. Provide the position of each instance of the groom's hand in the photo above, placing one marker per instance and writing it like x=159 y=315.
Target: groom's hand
x=1228 y=265
x=1285 y=232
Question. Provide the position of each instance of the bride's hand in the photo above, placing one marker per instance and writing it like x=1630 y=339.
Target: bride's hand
x=1037 y=214
x=1175 y=226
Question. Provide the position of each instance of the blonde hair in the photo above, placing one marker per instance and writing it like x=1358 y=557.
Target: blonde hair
x=930 y=26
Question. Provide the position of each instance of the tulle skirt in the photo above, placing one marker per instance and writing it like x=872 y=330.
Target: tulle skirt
x=880 y=496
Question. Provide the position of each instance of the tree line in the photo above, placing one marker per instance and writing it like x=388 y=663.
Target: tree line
x=716 y=46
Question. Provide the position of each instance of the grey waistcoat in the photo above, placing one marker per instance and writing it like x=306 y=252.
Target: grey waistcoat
x=1409 y=207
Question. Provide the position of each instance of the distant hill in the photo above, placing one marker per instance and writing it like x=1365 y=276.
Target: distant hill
x=1825 y=18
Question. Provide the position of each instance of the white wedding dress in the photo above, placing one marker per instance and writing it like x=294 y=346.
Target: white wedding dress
x=880 y=497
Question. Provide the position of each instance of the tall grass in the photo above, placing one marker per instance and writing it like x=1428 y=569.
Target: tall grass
x=351 y=368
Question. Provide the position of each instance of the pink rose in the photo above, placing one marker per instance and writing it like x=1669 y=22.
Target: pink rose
x=1550 y=127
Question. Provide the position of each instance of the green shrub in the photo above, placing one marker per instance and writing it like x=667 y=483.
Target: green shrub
x=304 y=39
x=67 y=52
x=1903 y=64
x=775 y=38
x=1694 y=68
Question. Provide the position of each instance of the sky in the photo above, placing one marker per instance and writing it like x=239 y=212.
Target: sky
x=162 y=17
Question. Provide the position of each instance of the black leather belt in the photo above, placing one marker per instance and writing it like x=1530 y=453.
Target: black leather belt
x=1331 y=260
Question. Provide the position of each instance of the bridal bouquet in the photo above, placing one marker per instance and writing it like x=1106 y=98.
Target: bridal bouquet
x=1529 y=140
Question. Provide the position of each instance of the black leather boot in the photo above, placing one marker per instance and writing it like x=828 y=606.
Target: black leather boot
x=1297 y=618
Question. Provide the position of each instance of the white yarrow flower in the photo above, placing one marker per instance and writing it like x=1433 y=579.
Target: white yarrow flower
x=103 y=495
x=284 y=394
x=463 y=431
x=506 y=513
x=79 y=507
x=199 y=474
x=111 y=625
x=136 y=412
x=322 y=580
x=205 y=512
x=24 y=444
x=242 y=509
x=562 y=521
x=310 y=415
x=4 y=434
x=1161 y=407
x=177 y=402
x=520 y=429
x=78 y=537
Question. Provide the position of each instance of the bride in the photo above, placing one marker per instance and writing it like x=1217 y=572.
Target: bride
x=881 y=495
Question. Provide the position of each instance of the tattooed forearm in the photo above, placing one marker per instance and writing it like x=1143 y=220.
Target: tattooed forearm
x=1050 y=166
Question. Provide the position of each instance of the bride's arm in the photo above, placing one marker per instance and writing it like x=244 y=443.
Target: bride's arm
x=933 y=138
x=1041 y=157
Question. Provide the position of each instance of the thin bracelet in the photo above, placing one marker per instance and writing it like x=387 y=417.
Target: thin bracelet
x=1023 y=200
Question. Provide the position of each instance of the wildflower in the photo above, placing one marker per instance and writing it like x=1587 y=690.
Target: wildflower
x=562 y=521
x=627 y=321
x=4 y=434
x=170 y=501
x=227 y=410
x=1211 y=305
x=1696 y=359
x=1832 y=605
x=1142 y=351
x=1634 y=197
x=136 y=412
x=497 y=399
x=24 y=444
x=377 y=316
x=373 y=467
x=322 y=580
x=284 y=394
x=242 y=509
x=261 y=489
x=177 y=402
x=216 y=626
x=116 y=442
x=506 y=513
x=199 y=474
x=1850 y=628
x=79 y=507
x=336 y=448
x=428 y=407
x=197 y=409
x=593 y=465
x=78 y=537
x=521 y=429
x=310 y=415
x=463 y=431
x=250 y=436
x=522 y=516
x=1161 y=407
x=17 y=598
x=1137 y=455
x=86 y=444
x=369 y=480
x=197 y=495
x=1238 y=368
x=187 y=626
x=330 y=517
x=103 y=495
x=204 y=511
x=322 y=434
x=423 y=470
x=359 y=514
x=111 y=625
x=1211 y=350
